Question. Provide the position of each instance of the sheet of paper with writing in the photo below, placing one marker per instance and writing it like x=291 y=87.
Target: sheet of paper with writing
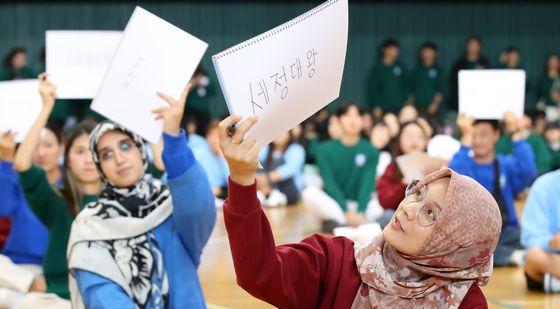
x=152 y=56
x=488 y=94
x=20 y=104
x=286 y=74
x=77 y=60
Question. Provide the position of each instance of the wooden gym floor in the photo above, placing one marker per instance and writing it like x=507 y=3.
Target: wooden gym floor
x=505 y=290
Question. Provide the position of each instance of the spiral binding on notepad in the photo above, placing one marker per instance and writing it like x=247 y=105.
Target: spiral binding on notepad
x=275 y=31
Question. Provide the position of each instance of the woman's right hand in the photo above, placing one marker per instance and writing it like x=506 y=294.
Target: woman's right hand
x=47 y=90
x=242 y=155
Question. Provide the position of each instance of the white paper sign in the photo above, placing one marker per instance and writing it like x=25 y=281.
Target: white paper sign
x=78 y=60
x=20 y=104
x=488 y=94
x=153 y=55
x=285 y=75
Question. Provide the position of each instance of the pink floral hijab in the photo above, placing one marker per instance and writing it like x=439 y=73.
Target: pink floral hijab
x=457 y=254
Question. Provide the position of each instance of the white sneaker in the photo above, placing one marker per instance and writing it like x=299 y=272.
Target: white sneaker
x=551 y=284
x=276 y=199
x=517 y=258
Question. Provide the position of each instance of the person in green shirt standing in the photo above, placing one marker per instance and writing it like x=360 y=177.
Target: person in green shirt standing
x=549 y=88
x=348 y=168
x=55 y=208
x=543 y=157
x=471 y=60
x=15 y=65
x=386 y=86
x=427 y=82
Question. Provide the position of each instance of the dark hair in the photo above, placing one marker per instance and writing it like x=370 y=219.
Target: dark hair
x=492 y=122
x=70 y=191
x=397 y=151
x=430 y=45
x=56 y=130
x=390 y=42
x=552 y=125
x=271 y=148
x=343 y=108
x=10 y=57
x=474 y=37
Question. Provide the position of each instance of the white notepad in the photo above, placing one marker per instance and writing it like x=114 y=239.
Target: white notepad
x=285 y=75
x=20 y=104
x=488 y=94
x=152 y=56
x=77 y=60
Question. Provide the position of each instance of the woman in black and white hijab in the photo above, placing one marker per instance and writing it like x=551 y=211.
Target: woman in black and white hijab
x=139 y=244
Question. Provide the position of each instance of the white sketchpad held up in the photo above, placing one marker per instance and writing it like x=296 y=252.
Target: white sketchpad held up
x=78 y=60
x=20 y=104
x=417 y=165
x=286 y=74
x=152 y=56
x=488 y=94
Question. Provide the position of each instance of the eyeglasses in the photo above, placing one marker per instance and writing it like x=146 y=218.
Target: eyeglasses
x=124 y=147
x=429 y=212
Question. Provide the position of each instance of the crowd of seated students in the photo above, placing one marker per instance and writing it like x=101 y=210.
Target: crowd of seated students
x=340 y=164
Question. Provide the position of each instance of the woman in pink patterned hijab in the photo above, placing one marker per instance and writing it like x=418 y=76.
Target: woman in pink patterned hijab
x=439 y=242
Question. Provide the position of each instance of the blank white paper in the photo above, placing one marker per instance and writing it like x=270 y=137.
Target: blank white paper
x=78 y=60
x=153 y=55
x=488 y=94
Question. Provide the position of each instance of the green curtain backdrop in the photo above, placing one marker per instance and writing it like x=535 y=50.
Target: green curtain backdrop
x=533 y=27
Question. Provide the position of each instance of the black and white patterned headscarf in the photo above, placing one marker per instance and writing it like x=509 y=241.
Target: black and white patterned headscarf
x=130 y=245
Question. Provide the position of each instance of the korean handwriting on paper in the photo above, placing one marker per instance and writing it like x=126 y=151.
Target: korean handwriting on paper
x=133 y=72
x=276 y=85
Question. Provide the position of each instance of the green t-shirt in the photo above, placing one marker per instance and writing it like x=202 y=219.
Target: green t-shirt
x=387 y=87
x=425 y=83
x=543 y=157
x=50 y=207
x=348 y=172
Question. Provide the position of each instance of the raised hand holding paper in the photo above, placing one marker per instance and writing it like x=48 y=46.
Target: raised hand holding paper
x=153 y=55
x=20 y=104
x=488 y=94
x=78 y=60
x=285 y=75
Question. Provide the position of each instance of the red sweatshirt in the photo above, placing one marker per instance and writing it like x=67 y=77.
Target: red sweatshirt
x=390 y=192
x=318 y=272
